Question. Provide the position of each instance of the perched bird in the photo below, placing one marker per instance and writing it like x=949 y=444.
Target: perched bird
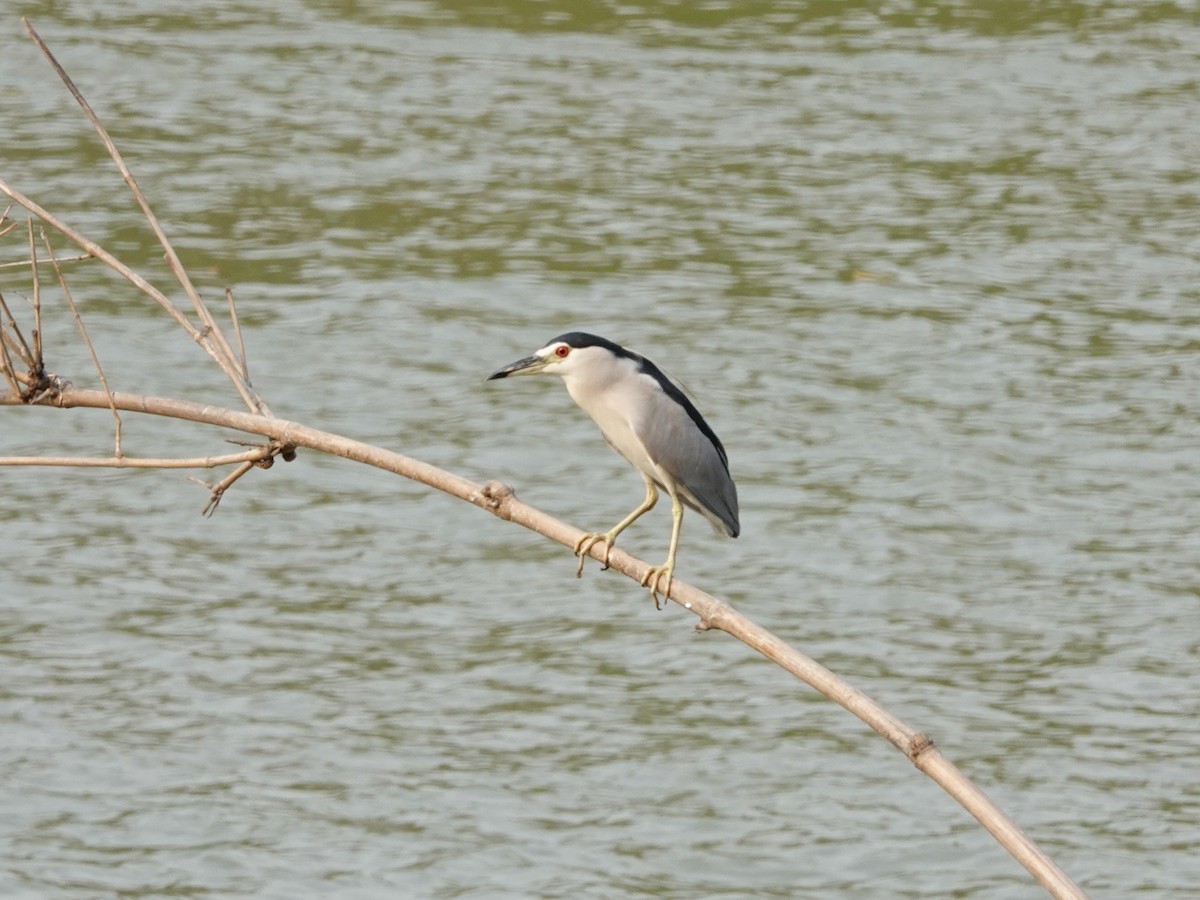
x=649 y=421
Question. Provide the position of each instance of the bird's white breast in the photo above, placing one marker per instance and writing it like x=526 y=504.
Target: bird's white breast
x=613 y=399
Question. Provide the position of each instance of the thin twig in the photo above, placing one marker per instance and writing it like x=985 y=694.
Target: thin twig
x=4 y=218
x=217 y=491
x=252 y=400
x=62 y=280
x=23 y=377
x=11 y=339
x=23 y=263
x=10 y=344
x=18 y=345
x=237 y=332
x=6 y=365
x=132 y=462
x=227 y=364
x=37 y=298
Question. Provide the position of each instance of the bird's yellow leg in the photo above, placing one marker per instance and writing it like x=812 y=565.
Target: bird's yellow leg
x=654 y=575
x=585 y=543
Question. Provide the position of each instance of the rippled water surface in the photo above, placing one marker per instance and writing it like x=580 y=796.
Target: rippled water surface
x=929 y=268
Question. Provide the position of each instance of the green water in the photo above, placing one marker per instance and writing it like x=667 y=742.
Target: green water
x=930 y=270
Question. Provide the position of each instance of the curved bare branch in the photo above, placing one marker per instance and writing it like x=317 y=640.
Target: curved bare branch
x=501 y=501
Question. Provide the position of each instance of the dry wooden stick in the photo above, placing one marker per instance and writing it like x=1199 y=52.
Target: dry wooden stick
x=135 y=462
x=36 y=390
x=37 y=297
x=16 y=342
x=7 y=228
x=12 y=341
x=62 y=281
x=211 y=338
x=500 y=500
x=203 y=338
x=237 y=332
x=6 y=364
x=22 y=263
x=217 y=491
x=253 y=401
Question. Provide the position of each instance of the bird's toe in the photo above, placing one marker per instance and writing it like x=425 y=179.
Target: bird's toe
x=653 y=579
x=584 y=546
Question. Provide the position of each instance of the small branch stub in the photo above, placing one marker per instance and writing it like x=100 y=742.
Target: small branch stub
x=494 y=494
x=920 y=744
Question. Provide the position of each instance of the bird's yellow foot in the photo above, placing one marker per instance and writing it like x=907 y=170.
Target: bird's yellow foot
x=653 y=579
x=584 y=545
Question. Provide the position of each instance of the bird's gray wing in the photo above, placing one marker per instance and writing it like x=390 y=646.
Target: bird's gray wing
x=690 y=453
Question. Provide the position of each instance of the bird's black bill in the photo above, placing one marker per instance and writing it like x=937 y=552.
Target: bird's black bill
x=516 y=368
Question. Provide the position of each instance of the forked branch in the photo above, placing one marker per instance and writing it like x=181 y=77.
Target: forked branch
x=221 y=352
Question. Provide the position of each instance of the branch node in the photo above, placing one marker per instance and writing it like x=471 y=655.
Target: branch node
x=493 y=494
x=47 y=389
x=275 y=448
x=920 y=744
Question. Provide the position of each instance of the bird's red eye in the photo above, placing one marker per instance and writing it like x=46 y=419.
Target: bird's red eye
x=562 y=351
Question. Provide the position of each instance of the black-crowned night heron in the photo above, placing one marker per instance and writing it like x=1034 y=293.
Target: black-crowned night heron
x=653 y=425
